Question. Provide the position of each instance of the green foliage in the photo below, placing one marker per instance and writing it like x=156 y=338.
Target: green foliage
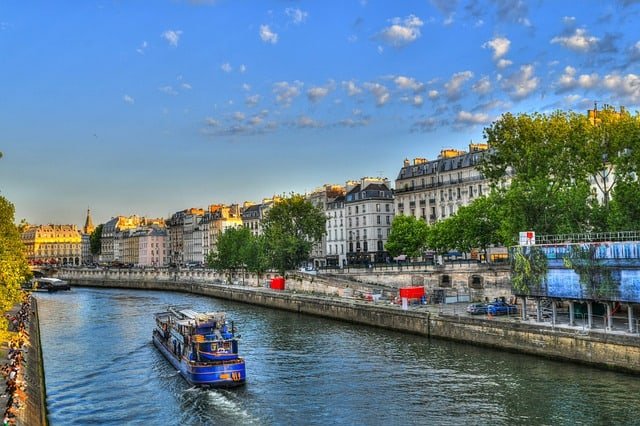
x=255 y=256
x=231 y=250
x=14 y=269
x=550 y=161
x=624 y=208
x=408 y=236
x=441 y=236
x=291 y=228
x=95 y=240
x=528 y=268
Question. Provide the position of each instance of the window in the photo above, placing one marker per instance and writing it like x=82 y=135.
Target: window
x=364 y=221
x=364 y=209
x=357 y=221
x=386 y=207
x=356 y=209
x=378 y=219
x=480 y=189
x=388 y=220
x=365 y=246
x=377 y=207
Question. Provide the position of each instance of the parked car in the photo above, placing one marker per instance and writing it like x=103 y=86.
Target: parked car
x=501 y=308
x=477 y=308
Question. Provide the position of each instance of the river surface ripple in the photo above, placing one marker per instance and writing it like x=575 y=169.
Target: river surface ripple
x=101 y=368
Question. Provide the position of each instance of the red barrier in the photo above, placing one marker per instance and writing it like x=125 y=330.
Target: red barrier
x=411 y=292
x=277 y=283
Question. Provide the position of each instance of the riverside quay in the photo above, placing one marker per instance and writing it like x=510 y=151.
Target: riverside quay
x=581 y=307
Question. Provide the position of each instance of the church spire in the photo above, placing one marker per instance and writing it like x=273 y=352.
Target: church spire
x=88 y=224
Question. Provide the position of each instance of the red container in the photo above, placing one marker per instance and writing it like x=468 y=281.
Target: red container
x=277 y=283
x=411 y=292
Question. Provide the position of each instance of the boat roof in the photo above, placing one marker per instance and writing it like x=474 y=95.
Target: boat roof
x=49 y=280
x=187 y=316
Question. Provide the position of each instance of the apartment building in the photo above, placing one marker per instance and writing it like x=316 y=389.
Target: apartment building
x=369 y=213
x=434 y=190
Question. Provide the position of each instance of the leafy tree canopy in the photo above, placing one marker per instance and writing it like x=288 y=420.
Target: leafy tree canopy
x=231 y=249
x=95 y=240
x=291 y=228
x=408 y=236
x=14 y=269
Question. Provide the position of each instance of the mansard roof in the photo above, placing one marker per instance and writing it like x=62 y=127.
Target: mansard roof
x=468 y=159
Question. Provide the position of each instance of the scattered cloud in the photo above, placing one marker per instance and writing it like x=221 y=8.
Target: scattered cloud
x=568 y=80
x=307 y=122
x=267 y=35
x=128 y=99
x=433 y=94
x=316 y=94
x=503 y=63
x=454 y=86
x=402 y=31
x=226 y=67
x=579 y=41
x=169 y=90
x=623 y=86
x=408 y=83
x=252 y=100
x=379 y=91
x=469 y=118
x=186 y=86
x=238 y=116
x=172 y=37
x=296 y=15
x=500 y=46
x=286 y=92
x=351 y=87
x=242 y=68
x=142 y=48
x=425 y=125
x=521 y=84
x=482 y=86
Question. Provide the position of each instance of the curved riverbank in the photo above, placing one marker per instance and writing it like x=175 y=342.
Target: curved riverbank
x=618 y=351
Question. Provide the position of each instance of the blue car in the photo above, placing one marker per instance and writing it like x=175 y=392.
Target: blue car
x=477 y=309
x=501 y=308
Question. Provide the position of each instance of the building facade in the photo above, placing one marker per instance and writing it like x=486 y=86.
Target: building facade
x=369 y=212
x=336 y=243
x=52 y=244
x=434 y=190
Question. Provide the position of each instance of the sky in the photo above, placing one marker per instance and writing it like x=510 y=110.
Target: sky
x=148 y=108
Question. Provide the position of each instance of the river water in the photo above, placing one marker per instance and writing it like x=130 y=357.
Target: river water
x=101 y=368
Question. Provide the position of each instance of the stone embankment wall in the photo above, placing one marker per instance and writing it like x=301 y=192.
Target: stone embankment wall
x=605 y=350
x=35 y=411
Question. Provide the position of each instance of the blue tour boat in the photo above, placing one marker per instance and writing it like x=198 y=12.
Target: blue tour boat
x=201 y=346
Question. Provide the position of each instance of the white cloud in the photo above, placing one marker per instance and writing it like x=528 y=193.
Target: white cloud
x=267 y=35
x=588 y=81
x=212 y=122
x=226 y=67
x=186 y=86
x=316 y=94
x=482 y=86
x=351 y=88
x=252 y=100
x=285 y=92
x=142 y=48
x=238 y=116
x=500 y=46
x=580 y=41
x=380 y=92
x=572 y=99
x=503 y=63
x=627 y=86
x=408 y=83
x=569 y=20
x=521 y=84
x=246 y=87
x=568 y=79
x=402 y=31
x=172 y=37
x=242 y=69
x=464 y=117
x=297 y=16
x=128 y=99
x=428 y=124
x=454 y=86
x=417 y=101
x=169 y=90
x=304 y=121
x=433 y=94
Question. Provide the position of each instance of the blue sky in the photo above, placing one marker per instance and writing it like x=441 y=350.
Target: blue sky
x=137 y=107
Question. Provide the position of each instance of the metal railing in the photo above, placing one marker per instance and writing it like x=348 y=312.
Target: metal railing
x=588 y=237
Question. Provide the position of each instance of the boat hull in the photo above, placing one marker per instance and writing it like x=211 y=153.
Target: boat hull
x=223 y=374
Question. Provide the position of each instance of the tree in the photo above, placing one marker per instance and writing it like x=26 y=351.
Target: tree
x=255 y=256
x=14 y=269
x=291 y=228
x=477 y=225
x=95 y=240
x=408 y=236
x=231 y=246
x=550 y=162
